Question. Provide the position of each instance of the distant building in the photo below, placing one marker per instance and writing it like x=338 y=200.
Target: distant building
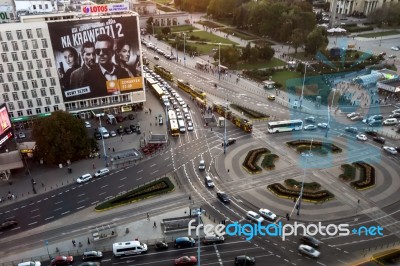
x=365 y=7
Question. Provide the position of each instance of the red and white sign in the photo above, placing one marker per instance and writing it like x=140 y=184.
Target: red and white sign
x=110 y=8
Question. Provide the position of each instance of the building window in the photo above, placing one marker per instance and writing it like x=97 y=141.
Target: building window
x=52 y=91
x=35 y=44
x=29 y=103
x=20 y=76
x=1 y=78
x=19 y=35
x=30 y=65
x=34 y=94
x=5 y=87
x=10 y=77
x=11 y=106
x=24 y=95
x=15 y=96
x=5 y=97
x=1 y=38
x=44 y=82
x=39 y=73
x=15 y=86
x=1 y=69
x=20 y=105
x=39 y=63
x=39 y=33
x=38 y=110
x=56 y=99
x=24 y=55
x=25 y=45
x=14 y=57
x=29 y=75
x=39 y=101
x=10 y=67
x=20 y=113
x=34 y=54
x=48 y=101
x=48 y=62
x=28 y=111
x=9 y=35
x=29 y=31
x=46 y=6
x=43 y=92
x=20 y=66
x=25 y=85
x=40 y=7
x=15 y=46
x=34 y=7
x=11 y=114
x=34 y=84
x=4 y=46
x=4 y=57
x=48 y=72
x=44 y=43
x=44 y=53
x=52 y=82
x=55 y=107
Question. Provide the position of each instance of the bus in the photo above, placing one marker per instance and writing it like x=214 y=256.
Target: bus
x=173 y=123
x=129 y=248
x=284 y=126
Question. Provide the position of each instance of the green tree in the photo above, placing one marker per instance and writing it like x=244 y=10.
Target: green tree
x=229 y=56
x=266 y=53
x=61 y=137
x=297 y=39
x=149 y=25
x=246 y=52
x=166 y=30
x=316 y=40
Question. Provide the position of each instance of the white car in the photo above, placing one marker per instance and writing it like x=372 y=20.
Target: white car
x=361 y=137
x=390 y=150
x=87 y=124
x=395 y=48
x=312 y=252
x=84 y=178
x=255 y=217
x=113 y=133
x=21 y=135
x=322 y=125
x=190 y=126
x=310 y=127
x=267 y=214
x=102 y=172
x=353 y=114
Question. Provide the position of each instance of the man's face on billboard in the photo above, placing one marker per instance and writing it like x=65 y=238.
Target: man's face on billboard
x=89 y=56
x=104 y=51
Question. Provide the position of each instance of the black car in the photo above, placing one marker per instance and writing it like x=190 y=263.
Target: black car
x=379 y=140
x=311 y=241
x=133 y=128
x=161 y=245
x=371 y=133
x=351 y=129
x=310 y=119
x=244 y=260
x=223 y=197
x=97 y=135
x=131 y=117
x=128 y=130
x=230 y=141
x=8 y=224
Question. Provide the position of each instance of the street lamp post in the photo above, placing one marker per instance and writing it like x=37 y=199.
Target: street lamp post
x=152 y=24
x=302 y=88
x=104 y=146
x=184 y=49
x=226 y=111
x=329 y=114
x=198 y=239
x=304 y=174
x=176 y=51
x=219 y=61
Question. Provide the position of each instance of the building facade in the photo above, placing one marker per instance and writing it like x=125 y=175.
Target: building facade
x=366 y=7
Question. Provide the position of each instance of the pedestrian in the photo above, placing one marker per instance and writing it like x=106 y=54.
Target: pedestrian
x=73 y=243
x=156 y=118
x=113 y=150
x=94 y=167
x=150 y=110
x=122 y=139
x=148 y=216
x=109 y=149
x=88 y=241
x=228 y=170
x=155 y=224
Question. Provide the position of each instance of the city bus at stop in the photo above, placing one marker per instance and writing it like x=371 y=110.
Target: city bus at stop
x=284 y=126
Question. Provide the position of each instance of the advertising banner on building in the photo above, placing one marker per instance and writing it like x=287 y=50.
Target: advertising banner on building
x=97 y=57
x=5 y=124
x=108 y=8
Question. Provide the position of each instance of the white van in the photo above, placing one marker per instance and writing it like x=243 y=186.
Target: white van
x=111 y=119
x=30 y=263
x=182 y=127
x=104 y=132
x=390 y=121
x=255 y=217
x=209 y=182
x=129 y=248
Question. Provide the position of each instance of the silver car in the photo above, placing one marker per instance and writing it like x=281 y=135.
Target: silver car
x=309 y=251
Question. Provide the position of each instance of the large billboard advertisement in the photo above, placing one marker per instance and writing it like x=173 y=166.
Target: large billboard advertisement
x=97 y=57
x=5 y=124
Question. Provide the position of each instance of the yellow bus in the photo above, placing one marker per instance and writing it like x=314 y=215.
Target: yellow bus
x=157 y=91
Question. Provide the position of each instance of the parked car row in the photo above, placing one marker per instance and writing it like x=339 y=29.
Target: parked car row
x=87 y=177
x=150 y=45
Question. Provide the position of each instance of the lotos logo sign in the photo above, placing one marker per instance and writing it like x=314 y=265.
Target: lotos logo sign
x=95 y=9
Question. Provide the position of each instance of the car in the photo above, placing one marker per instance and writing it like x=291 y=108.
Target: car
x=128 y=130
x=379 y=140
x=392 y=56
x=309 y=251
x=371 y=133
x=182 y=242
x=92 y=255
x=390 y=150
x=90 y=263
x=222 y=196
x=382 y=54
x=87 y=124
x=160 y=120
x=120 y=131
x=112 y=133
x=311 y=241
x=120 y=118
x=356 y=118
x=8 y=224
x=267 y=214
x=62 y=260
x=161 y=245
x=351 y=129
x=209 y=240
x=310 y=127
x=394 y=48
x=132 y=127
x=21 y=135
x=353 y=114
x=395 y=115
x=131 y=117
x=244 y=260
x=322 y=125
x=396 y=111
x=190 y=126
x=29 y=263
x=186 y=260
x=230 y=141
x=271 y=97
x=310 y=119
x=361 y=137
x=255 y=217
x=102 y=172
x=202 y=165
x=390 y=122
x=97 y=135
x=156 y=58
x=84 y=178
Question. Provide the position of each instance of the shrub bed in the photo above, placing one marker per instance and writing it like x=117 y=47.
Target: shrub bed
x=349 y=172
x=317 y=146
x=250 y=113
x=318 y=196
x=251 y=158
x=367 y=176
x=291 y=183
x=268 y=161
x=154 y=188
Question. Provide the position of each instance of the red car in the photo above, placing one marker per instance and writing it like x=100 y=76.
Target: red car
x=62 y=260
x=186 y=260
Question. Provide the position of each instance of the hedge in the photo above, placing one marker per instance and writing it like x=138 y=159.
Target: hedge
x=349 y=172
x=309 y=186
x=251 y=159
x=318 y=196
x=367 y=176
x=154 y=188
x=318 y=146
x=268 y=161
x=358 y=29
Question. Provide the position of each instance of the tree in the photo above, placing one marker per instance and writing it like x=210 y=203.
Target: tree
x=149 y=25
x=166 y=30
x=229 y=56
x=316 y=40
x=297 y=39
x=61 y=137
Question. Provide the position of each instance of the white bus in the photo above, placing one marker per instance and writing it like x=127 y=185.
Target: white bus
x=173 y=123
x=182 y=127
x=129 y=248
x=284 y=126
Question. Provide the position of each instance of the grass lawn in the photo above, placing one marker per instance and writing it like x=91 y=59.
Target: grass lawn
x=379 y=34
x=300 y=55
x=274 y=62
x=282 y=76
x=209 y=37
x=203 y=49
x=210 y=24
x=236 y=33
x=183 y=28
